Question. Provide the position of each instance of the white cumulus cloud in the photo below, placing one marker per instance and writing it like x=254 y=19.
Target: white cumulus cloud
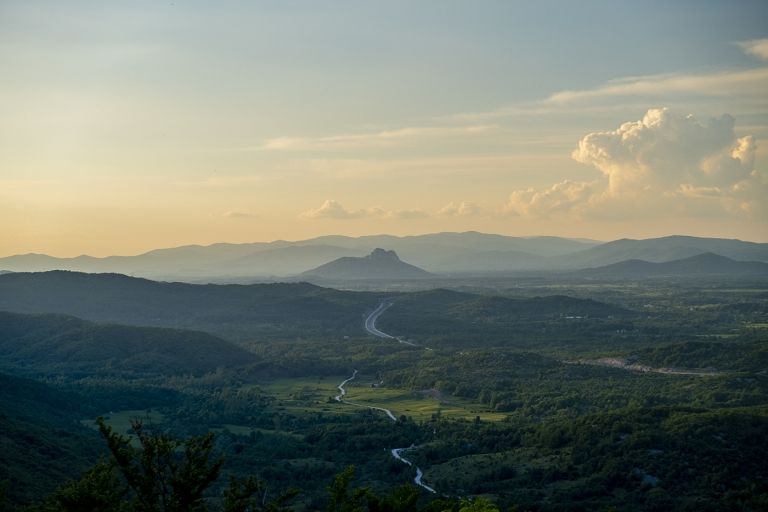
x=460 y=209
x=561 y=198
x=663 y=163
x=331 y=209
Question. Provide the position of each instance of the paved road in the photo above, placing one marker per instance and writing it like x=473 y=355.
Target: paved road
x=370 y=324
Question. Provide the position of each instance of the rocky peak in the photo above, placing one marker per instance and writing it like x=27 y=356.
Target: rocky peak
x=379 y=254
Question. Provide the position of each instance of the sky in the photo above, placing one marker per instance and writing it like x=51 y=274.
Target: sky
x=128 y=126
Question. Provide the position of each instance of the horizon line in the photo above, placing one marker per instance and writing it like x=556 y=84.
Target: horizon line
x=202 y=245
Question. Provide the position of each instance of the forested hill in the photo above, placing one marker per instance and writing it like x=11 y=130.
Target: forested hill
x=43 y=443
x=457 y=318
x=64 y=344
x=233 y=311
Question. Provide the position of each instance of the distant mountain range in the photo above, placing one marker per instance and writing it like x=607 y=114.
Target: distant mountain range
x=380 y=264
x=469 y=253
x=701 y=264
x=658 y=250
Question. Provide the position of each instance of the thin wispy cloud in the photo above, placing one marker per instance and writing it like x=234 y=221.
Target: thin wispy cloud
x=239 y=215
x=756 y=47
x=405 y=214
x=745 y=84
x=388 y=138
x=362 y=168
x=752 y=81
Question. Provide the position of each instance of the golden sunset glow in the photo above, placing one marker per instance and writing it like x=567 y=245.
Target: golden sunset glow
x=127 y=127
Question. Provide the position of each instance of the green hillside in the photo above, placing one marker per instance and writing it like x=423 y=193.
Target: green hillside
x=65 y=344
x=42 y=443
x=449 y=318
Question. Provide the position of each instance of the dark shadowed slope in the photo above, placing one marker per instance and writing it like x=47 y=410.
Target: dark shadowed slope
x=380 y=264
x=42 y=443
x=444 y=317
x=65 y=344
x=233 y=311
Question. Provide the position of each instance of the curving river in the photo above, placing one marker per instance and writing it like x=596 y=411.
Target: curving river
x=370 y=326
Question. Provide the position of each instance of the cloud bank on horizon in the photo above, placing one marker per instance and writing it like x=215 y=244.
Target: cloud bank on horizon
x=664 y=164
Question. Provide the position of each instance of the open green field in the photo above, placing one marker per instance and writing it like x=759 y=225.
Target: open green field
x=419 y=405
x=306 y=395
x=304 y=388
x=312 y=394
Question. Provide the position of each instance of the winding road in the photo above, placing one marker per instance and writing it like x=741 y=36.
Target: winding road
x=370 y=326
x=370 y=322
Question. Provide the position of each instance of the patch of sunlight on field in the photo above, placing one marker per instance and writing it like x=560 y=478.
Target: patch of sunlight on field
x=312 y=395
x=304 y=387
x=418 y=405
x=307 y=395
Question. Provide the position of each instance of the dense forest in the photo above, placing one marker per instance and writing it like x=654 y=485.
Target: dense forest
x=546 y=396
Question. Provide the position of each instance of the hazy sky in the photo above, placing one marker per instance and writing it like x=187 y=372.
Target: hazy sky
x=126 y=126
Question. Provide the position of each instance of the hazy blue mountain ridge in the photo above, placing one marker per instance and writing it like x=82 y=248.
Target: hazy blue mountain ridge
x=701 y=264
x=442 y=253
x=379 y=264
x=657 y=250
